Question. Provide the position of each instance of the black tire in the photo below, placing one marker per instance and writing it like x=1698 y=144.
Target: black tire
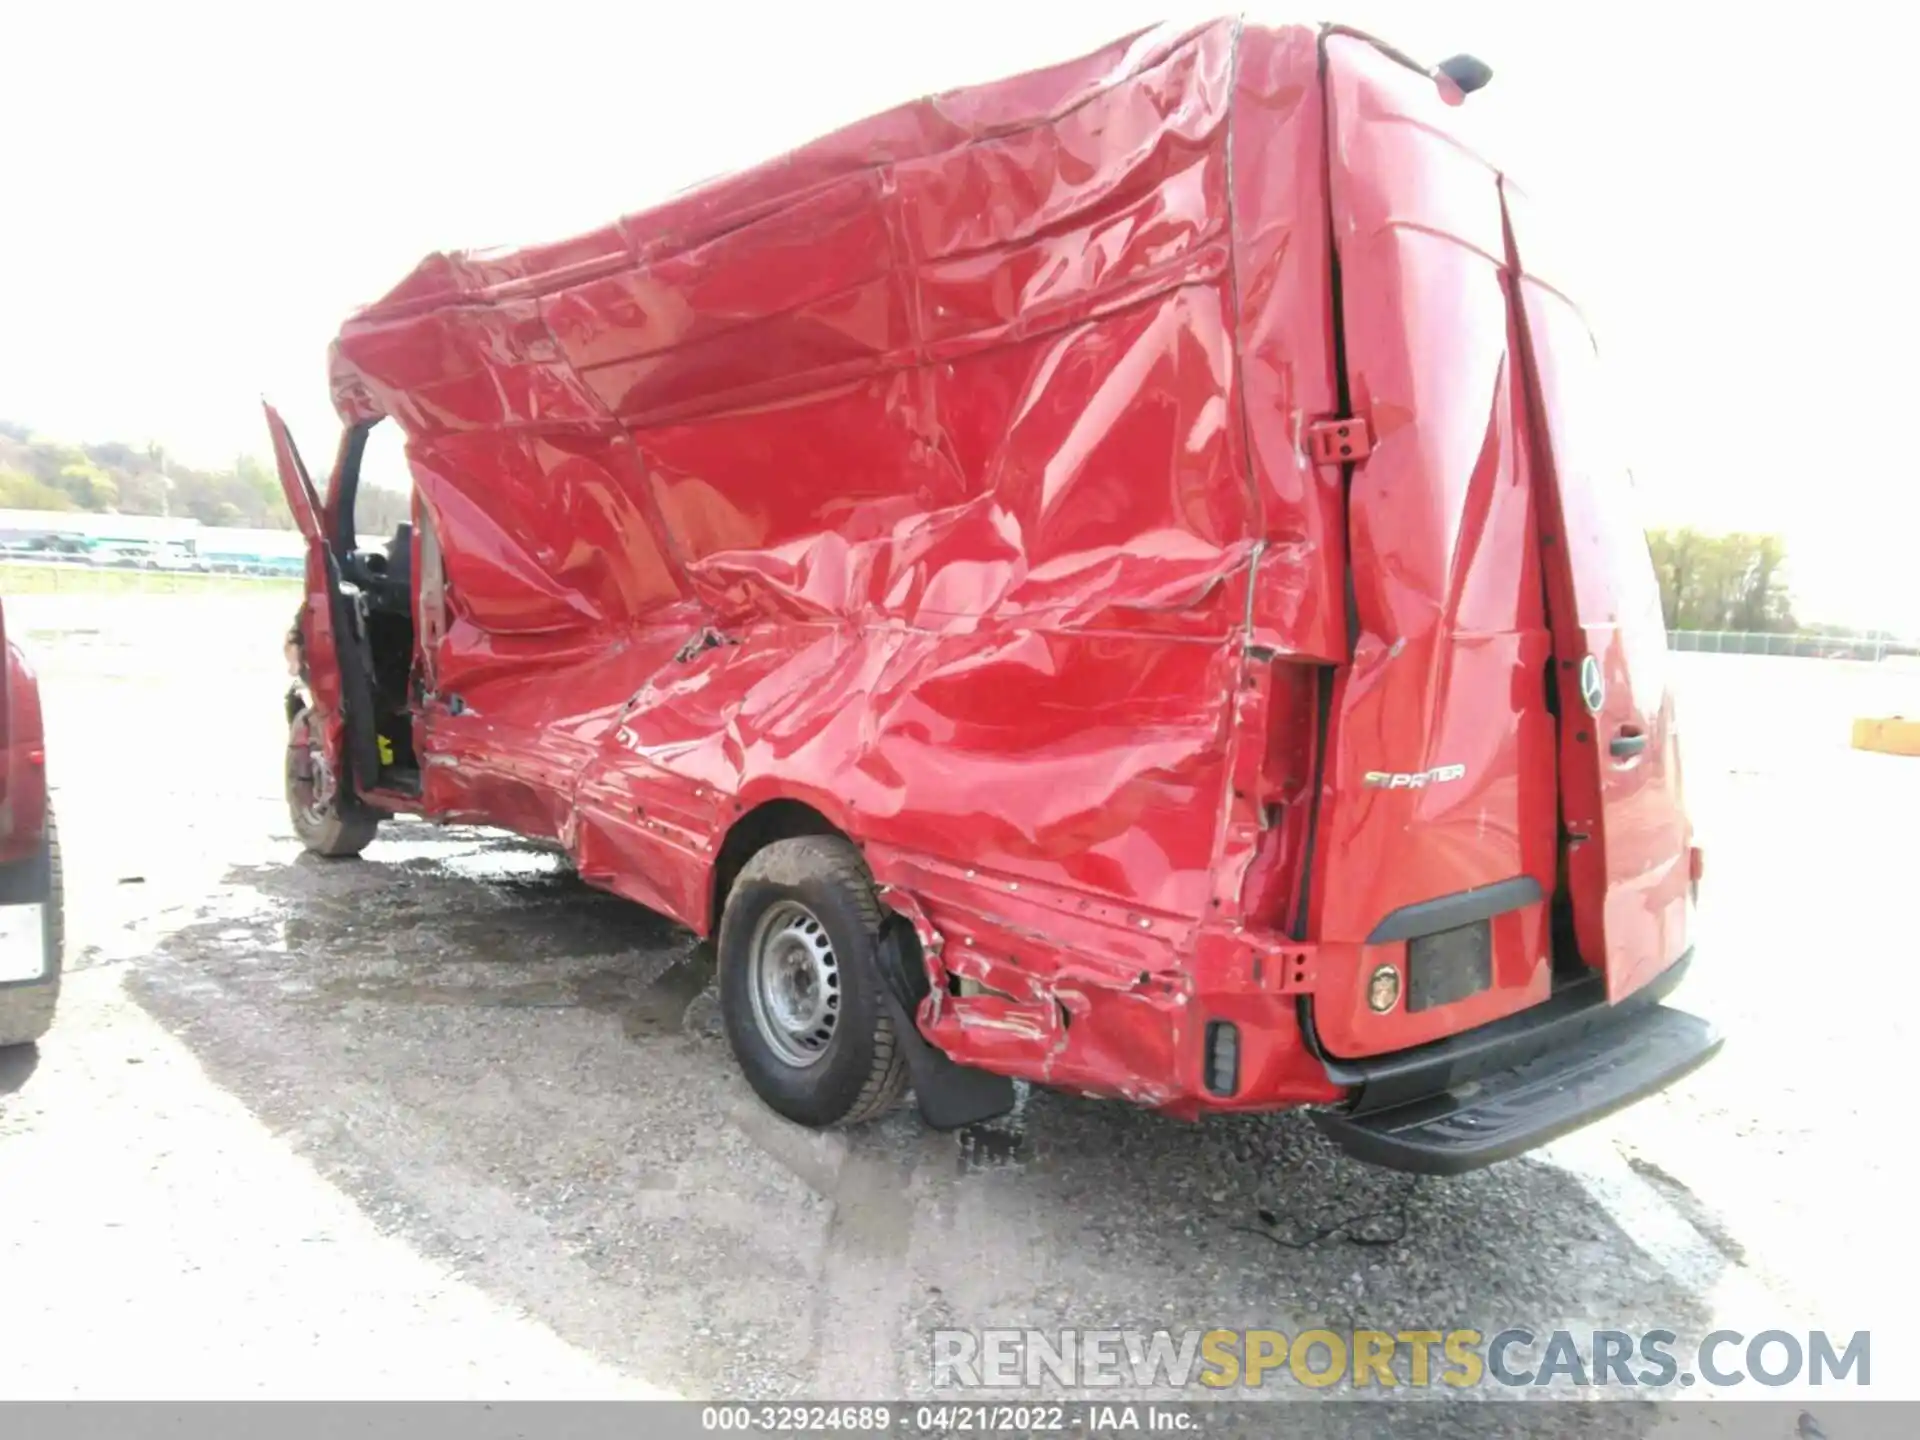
x=324 y=830
x=26 y=1008
x=857 y=1073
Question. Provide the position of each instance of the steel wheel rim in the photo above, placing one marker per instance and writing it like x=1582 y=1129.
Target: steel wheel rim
x=793 y=981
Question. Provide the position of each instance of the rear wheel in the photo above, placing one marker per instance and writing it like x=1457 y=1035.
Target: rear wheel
x=799 y=989
x=27 y=1006
x=314 y=798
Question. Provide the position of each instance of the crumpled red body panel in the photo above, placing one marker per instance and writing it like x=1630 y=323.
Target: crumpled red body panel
x=948 y=476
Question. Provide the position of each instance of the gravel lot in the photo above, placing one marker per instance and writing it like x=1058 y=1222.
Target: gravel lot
x=444 y=1122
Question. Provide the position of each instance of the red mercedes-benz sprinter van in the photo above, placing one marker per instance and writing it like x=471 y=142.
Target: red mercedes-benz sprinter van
x=1118 y=577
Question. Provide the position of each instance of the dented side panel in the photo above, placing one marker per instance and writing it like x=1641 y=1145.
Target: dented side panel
x=1284 y=297
x=937 y=476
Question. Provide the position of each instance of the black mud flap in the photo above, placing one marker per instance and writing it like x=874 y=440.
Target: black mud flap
x=1503 y=1113
x=950 y=1095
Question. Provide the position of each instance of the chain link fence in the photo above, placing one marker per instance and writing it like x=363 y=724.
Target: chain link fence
x=1815 y=647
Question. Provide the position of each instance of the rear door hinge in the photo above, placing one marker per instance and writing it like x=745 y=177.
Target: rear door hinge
x=1339 y=442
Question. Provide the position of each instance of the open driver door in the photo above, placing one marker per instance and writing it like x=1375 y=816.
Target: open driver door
x=338 y=660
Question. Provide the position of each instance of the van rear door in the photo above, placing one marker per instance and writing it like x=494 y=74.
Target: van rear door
x=1500 y=745
x=1435 y=836
x=1628 y=840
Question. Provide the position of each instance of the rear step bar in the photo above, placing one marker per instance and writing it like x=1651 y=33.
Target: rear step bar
x=1493 y=1093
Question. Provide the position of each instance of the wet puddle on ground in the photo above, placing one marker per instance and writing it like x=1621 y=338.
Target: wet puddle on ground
x=647 y=1004
x=475 y=922
x=662 y=1008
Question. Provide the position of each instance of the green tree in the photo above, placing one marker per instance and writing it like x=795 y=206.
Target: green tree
x=1675 y=553
x=265 y=499
x=47 y=458
x=19 y=491
x=90 y=487
x=379 y=511
x=140 y=479
x=1762 y=602
x=1722 y=582
x=142 y=492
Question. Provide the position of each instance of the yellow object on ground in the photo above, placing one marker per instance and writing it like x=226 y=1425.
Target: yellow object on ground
x=1891 y=736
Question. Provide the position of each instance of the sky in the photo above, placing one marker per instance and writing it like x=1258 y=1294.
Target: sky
x=196 y=194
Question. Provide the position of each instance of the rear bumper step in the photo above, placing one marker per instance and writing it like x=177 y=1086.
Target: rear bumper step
x=1505 y=1112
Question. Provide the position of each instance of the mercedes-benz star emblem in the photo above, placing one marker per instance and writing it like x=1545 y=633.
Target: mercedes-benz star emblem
x=1593 y=685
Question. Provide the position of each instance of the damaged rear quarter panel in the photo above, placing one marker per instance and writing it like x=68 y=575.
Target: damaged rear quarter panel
x=937 y=431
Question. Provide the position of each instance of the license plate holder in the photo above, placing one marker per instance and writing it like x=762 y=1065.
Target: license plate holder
x=1449 y=965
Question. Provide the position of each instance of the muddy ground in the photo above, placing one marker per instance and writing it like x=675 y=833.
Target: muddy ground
x=443 y=1121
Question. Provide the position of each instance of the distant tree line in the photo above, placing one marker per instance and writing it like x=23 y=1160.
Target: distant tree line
x=1722 y=582
x=117 y=478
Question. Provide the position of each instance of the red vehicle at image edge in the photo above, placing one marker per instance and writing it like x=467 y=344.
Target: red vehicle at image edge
x=30 y=889
x=1115 y=577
